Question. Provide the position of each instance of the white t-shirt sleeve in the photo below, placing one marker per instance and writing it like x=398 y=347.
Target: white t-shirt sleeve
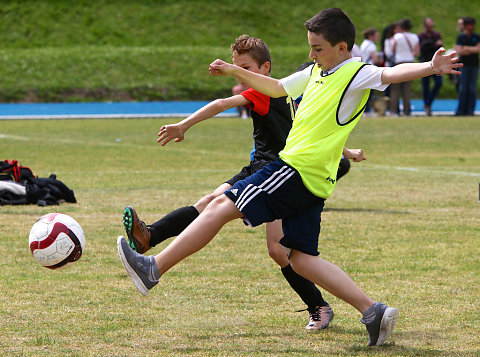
x=369 y=77
x=296 y=83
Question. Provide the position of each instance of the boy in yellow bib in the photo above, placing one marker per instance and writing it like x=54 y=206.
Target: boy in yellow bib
x=293 y=188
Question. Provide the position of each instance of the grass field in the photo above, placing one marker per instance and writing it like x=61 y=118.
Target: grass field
x=404 y=225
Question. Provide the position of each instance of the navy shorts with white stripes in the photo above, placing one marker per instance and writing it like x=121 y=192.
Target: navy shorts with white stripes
x=277 y=192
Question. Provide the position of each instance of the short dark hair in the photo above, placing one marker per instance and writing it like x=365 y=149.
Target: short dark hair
x=406 y=24
x=369 y=32
x=334 y=25
x=255 y=47
x=467 y=20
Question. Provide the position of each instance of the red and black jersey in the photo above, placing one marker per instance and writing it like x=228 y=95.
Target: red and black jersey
x=272 y=120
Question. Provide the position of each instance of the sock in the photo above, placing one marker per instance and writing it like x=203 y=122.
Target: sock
x=343 y=167
x=307 y=290
x=369 y=315
x=172 y=224
x=154 y=268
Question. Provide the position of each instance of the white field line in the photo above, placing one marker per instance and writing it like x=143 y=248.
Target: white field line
x=58 y=140
x=418 y=169
x=370 y=167
x=14 y=137
x=173 y=147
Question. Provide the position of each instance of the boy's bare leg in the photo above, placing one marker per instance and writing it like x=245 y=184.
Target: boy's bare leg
x=202 y=203
x=276 y=251
x=199 y=233
x=331 y=278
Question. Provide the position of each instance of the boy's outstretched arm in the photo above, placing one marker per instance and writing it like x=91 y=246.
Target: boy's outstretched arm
x=264 y=84
x=177 y=131
x=440 y=64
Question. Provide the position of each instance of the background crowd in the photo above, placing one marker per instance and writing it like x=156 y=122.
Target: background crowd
x=399 y=44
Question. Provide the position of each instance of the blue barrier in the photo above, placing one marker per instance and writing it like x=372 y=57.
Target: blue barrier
x=152 y=109
x=102 y=110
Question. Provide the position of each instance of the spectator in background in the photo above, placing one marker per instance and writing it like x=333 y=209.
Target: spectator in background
x=405 y=49
x=368 y=50
x=356 y=51
x=242 y=111
x=387 y=45
x=452 y=78
x=430 y=41
x=460 y=24
x=468 y=47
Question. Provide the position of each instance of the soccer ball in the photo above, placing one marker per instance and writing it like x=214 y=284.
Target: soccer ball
x=56 y=239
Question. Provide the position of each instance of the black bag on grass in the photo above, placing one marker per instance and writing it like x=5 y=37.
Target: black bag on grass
x=40 y=191
x=11 y=170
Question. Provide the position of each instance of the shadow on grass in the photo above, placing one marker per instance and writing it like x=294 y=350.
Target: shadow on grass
x=366 y=210
x=396 y=345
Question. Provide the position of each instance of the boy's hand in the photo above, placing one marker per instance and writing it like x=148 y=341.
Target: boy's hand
x=220 y=68
x=170 y=132
x=445 y=64
x=356 y=155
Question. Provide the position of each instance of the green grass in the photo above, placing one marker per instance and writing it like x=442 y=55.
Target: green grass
x=59 y=50
x=403 y=224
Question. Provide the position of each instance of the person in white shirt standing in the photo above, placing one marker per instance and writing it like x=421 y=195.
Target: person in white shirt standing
x=368 y=50
x=405 y=48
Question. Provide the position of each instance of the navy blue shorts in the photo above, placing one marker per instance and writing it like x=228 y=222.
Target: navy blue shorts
x=277 y=192
x=246 y=171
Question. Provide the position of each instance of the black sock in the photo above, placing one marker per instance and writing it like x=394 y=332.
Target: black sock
x=307 y=290
x=343 y=167
x=172 y=224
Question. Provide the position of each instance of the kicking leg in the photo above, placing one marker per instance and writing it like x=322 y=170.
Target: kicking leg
x=146 y=270
x=199 y=233
x=142 y=237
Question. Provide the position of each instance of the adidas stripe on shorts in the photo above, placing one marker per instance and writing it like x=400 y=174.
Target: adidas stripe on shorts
x=277 y=192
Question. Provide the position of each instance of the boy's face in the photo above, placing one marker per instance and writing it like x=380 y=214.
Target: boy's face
x=246 y=61
x=323 y=53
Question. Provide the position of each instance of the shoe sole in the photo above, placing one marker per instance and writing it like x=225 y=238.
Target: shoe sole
x=314 y=330
x=387 y=324
x=128 y=226
x=131 y=272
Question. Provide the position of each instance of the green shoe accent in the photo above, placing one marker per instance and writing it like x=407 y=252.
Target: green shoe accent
x=132 y=245
x=127 y=219
x=128 y=226
x=131 y=226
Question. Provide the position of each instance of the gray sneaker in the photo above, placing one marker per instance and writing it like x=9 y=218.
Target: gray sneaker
x=379 y=323
x=143 y=270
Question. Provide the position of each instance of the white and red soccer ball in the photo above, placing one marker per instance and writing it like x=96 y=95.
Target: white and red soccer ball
x=56 y=239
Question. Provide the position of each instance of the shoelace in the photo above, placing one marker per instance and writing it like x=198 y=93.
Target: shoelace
x=315 y=313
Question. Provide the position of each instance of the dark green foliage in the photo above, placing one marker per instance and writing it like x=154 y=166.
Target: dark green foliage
x=160 y=50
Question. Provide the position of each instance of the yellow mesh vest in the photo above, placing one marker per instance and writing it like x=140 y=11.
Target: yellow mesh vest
x=315 y=143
